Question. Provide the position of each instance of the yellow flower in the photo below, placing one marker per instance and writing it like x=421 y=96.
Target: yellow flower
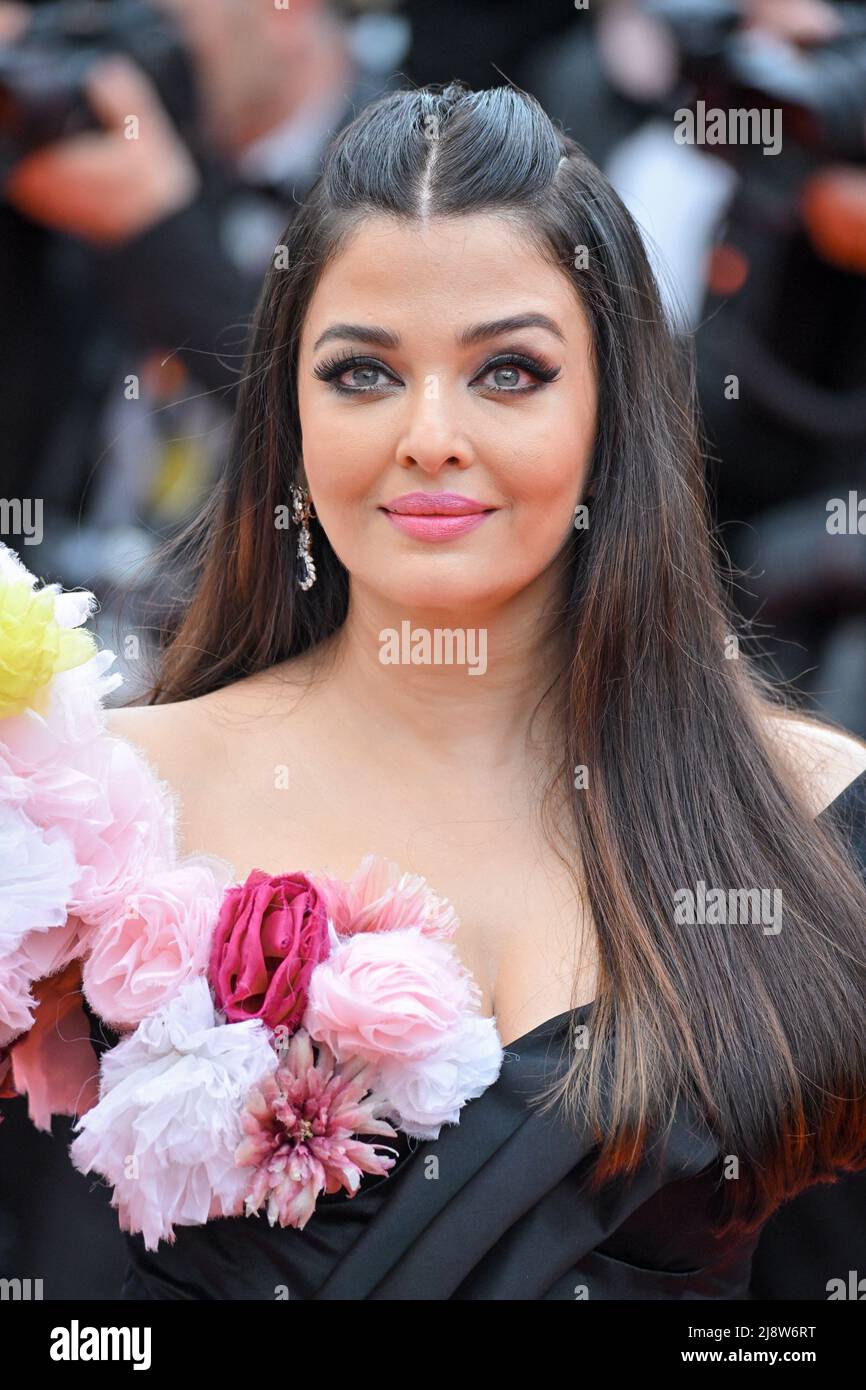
x=33 y=645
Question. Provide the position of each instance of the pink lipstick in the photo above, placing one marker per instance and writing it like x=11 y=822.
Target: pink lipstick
x=435 y=516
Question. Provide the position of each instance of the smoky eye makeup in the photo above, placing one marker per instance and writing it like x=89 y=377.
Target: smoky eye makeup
x=332 y=368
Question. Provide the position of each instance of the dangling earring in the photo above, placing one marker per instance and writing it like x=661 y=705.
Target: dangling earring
x=305 y=569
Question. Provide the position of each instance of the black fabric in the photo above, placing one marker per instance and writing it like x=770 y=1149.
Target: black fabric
x=821 y=1234
x=496 y=1208
x=501 y=1213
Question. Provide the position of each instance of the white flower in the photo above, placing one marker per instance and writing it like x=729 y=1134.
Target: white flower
x=12 y=568
x=75 y=703
x=38 y=873
x=424 y=1095
x=167 y=1122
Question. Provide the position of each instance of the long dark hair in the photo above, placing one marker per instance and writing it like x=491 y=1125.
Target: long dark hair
x=763 y=1032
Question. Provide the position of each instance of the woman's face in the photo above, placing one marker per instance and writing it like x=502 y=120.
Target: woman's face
x=430 y=393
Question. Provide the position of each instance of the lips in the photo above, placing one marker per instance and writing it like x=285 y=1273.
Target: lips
x=438 y=516
x=435 y=504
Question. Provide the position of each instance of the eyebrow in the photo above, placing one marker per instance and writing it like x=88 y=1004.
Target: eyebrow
x=477 y=332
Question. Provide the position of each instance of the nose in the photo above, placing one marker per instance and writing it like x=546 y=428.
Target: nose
x=432 y=435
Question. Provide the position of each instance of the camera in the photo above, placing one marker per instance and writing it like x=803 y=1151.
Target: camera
x=820 y=90
x=42 y=73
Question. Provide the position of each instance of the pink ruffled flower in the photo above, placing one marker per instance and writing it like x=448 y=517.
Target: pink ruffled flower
x=271 y=934
x=299 y=1126
x=396 y=994
x=39 y=871
x=379 y=898
x=132 y=834
x=16 y=1001
x=38 y=955
x=162 y=938
x=102 y=798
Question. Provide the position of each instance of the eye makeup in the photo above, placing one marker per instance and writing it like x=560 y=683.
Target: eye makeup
x=332 y=368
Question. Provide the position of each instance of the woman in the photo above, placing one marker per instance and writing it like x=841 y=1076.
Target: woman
x=455 y=606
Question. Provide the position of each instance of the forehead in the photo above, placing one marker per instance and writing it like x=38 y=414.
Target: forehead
x=439 y=275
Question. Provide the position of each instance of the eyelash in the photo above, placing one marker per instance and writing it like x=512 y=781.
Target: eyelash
x=334 y=367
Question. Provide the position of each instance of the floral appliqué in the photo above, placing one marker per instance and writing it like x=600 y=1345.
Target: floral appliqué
x=275 y=1033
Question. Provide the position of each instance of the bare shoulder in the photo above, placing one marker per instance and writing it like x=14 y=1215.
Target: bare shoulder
x=822 y=759
x=171 y=737
x=186 y=736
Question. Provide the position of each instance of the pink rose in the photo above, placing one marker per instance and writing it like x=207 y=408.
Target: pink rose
x=158 y=938
x=271 y=934
x=390 y=995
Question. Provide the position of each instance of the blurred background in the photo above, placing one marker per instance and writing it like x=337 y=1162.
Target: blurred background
x=131 y=262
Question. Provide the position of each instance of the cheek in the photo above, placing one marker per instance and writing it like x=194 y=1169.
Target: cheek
x=340 y=463
x=340 y=484
x=549 y=454
x=343 y=474
x=544 y=488
x=536 y=531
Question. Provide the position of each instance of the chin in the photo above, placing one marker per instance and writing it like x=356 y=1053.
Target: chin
x=452 y=599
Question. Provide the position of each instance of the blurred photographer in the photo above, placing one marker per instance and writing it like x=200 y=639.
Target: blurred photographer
x=760 y=247
x=150 y=156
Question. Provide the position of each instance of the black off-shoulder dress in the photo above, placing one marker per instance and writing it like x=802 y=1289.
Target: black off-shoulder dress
x=496 y=1208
